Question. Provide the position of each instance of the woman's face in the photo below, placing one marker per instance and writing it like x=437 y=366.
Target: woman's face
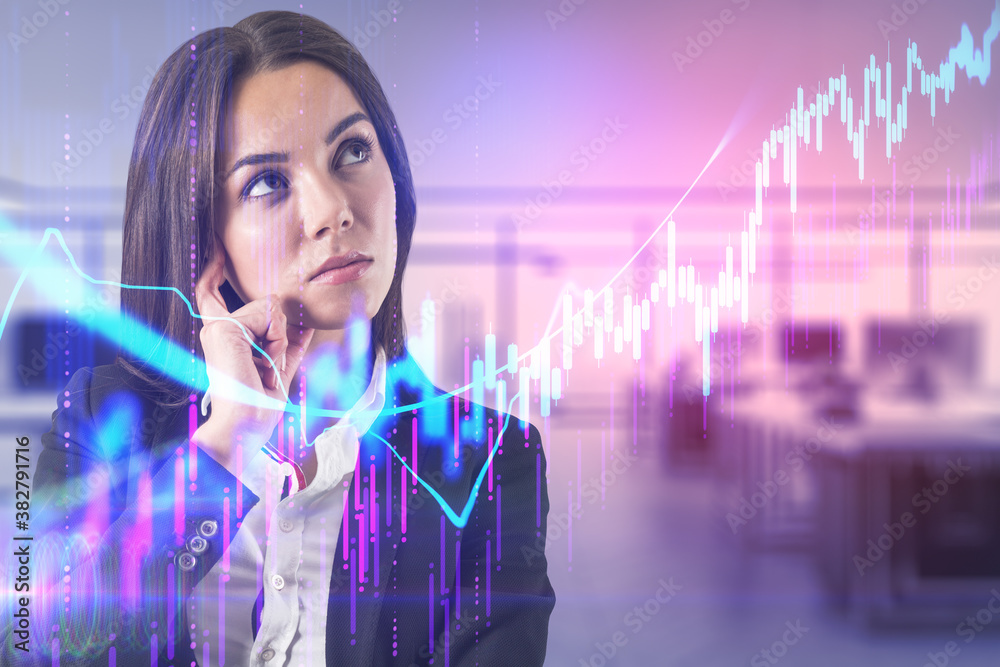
x=308 y=207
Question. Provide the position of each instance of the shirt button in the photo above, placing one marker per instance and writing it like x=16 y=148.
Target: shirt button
x=208 y=528
x=278 y=582
x=286 y=525
x=185 y=561
x=267 y=654
x=197 y=545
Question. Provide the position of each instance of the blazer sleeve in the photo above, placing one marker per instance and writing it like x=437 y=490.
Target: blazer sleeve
x=121 y=552
x=506 y=597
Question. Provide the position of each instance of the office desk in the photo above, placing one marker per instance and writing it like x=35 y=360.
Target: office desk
x=908 y=529
x=838 y=484
x=771 y=494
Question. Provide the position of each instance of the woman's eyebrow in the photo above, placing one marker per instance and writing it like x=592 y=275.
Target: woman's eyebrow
x=339 y=129
x=259 y=158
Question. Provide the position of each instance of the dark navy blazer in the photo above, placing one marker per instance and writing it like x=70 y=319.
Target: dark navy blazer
x=438 y=594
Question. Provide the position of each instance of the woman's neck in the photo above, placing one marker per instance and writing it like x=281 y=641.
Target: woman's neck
x=336 y=371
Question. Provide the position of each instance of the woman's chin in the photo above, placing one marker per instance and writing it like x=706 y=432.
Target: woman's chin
x=331 y=322
x=323 y=315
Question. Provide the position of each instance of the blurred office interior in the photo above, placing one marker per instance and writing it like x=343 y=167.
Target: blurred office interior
x=834 y=499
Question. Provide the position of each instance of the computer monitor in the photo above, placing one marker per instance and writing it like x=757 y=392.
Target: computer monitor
x=811 y=342
x=40 y=351
x=908 y=349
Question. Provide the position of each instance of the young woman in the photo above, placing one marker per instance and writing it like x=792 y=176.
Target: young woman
x=275 y=519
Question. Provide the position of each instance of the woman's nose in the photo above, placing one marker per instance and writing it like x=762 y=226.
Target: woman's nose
x=325 y=207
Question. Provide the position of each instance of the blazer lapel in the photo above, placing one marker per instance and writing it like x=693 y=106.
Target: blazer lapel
x=377 y=552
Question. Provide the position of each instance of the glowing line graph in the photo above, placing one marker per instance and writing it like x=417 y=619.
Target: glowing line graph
x=976 y=63
x=459 y=520
x=964 y=55
x=143 y=333
x=257 y=399
x=456 y=519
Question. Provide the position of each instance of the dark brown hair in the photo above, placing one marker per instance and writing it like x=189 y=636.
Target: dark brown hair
x=173 y=178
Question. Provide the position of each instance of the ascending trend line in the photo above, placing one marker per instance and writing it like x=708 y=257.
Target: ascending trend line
x=679 y=282
x=801 y=121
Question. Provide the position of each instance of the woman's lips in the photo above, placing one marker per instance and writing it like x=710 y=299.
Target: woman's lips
x=344 y=274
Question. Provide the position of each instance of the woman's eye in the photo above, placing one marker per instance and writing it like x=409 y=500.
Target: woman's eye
x=358 y=151
x=264 y=185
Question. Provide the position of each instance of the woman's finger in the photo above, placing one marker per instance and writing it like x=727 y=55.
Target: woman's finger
x=269 y=378
x=225 y=341
x=275 y=340
x=298 y=342
x=259 y=318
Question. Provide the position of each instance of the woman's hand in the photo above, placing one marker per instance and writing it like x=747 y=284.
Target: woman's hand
x=228 y=354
